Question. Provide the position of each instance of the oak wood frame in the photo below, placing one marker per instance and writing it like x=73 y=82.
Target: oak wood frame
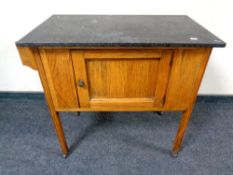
x=183 y=57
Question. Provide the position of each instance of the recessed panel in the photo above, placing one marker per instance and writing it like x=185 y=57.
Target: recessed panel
x=122 y=78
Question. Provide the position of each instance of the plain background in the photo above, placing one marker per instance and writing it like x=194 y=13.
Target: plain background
x=17 y=18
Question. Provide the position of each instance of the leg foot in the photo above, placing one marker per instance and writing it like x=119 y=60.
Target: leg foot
x=65 y=156
x=183 y=124
x=174 y=154
x=78 y=113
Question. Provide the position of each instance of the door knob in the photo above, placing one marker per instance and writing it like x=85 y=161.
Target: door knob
x=80 y=83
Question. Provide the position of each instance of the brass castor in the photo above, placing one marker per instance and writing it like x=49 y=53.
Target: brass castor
x=174 y=154
x=65 y=156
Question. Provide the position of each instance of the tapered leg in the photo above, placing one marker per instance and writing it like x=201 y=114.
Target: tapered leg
x=59 y=131
x=183 y=124
x=54 y=115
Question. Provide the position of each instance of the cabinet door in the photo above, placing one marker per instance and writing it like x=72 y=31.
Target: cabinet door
x=121 y=78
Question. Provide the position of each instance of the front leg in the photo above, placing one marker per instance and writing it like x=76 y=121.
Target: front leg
x=53 y=113
x=59 y=131
x=183 y=124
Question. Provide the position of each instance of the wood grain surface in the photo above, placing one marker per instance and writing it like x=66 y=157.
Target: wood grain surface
x=119 y=79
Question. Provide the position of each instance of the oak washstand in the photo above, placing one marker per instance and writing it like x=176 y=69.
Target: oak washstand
x=119 y=63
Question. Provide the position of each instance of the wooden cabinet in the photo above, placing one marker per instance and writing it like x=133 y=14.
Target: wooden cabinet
x=139 y=63
x=119 y=80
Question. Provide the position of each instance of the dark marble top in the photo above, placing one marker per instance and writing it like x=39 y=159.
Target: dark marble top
x=120 y=31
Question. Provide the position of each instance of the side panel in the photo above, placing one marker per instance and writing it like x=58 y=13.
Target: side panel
x=60 y=75
x=186 y=74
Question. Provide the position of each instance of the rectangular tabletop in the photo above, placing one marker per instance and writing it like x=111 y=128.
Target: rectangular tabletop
x=120 y=31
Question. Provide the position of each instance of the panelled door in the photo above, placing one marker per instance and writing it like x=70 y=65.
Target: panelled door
x=121 y=78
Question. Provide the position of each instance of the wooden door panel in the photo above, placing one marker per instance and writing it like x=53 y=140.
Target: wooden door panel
x=59 y=72
x=121 y=77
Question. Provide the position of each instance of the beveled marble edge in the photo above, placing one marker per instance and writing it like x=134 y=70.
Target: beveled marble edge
x=205 y=45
